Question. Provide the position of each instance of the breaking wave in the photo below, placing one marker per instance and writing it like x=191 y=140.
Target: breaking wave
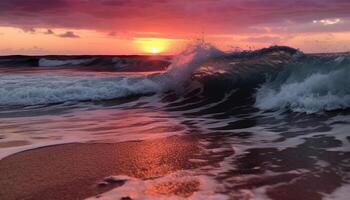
x=310 y=85
x=270 y=79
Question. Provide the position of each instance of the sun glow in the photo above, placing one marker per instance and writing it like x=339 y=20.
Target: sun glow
x=154 y=50
x=153 y=45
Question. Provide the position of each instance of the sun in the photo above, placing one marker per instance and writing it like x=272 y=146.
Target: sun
x=155 y=50
x=153 y=45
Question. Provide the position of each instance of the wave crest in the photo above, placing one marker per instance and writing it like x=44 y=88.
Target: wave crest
x=311 y=85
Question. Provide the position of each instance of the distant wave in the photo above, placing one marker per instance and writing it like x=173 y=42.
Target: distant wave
x=98 y=63
x=44 y=62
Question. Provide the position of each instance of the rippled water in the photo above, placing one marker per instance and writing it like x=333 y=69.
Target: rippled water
x=274 y=154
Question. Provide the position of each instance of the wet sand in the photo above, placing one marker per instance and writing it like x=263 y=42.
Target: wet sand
x=73 y=171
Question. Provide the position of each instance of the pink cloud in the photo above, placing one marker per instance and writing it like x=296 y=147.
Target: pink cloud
x=175 y=16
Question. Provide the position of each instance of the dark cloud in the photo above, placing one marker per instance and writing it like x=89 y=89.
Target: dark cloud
x=25 y=7
x=69 y=34
x=49 y=32
x=28 y=29
x=172 y=16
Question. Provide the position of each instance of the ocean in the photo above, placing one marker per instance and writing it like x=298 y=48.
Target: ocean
x=270 y=124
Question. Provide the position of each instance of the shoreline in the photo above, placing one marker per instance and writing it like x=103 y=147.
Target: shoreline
x=74 y=171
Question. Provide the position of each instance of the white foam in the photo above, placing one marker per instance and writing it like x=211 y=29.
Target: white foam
x=184 y=64
x=34 y=89
x=341 y=193
x=197 y=160
x=315 y=93
x=44 y=62
x=143 y=189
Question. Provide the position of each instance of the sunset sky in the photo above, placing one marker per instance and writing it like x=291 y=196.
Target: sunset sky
x=166 y=26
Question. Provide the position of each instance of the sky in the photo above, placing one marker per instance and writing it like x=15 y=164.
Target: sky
x=41 y=27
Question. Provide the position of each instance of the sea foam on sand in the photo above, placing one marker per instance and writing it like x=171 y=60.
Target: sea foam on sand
x=175 y=186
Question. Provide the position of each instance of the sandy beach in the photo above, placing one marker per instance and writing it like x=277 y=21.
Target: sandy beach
x=73 y=171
